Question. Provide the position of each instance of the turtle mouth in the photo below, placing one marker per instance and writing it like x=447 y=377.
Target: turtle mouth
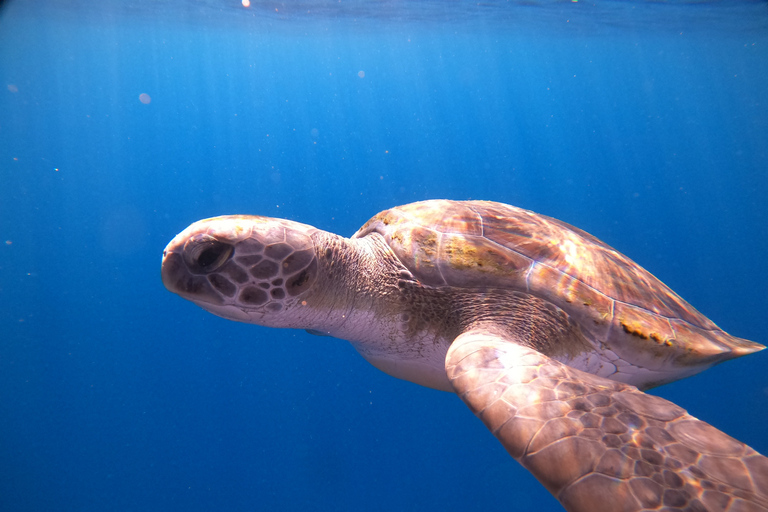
x=178 y=279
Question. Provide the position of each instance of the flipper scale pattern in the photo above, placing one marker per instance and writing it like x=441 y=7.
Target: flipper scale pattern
x=599 y=445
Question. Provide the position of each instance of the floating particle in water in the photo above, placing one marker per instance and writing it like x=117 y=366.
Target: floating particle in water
x=361 y=73
x=13 y=88
x=246 y=3
x=145 y=98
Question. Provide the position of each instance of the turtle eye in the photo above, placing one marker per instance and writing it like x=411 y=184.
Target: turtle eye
x=205 y=254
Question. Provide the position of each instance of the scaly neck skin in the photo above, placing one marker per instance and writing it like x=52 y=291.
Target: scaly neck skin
x=355 y=296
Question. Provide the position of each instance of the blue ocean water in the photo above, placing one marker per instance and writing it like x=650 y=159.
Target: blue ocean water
x=642 y=123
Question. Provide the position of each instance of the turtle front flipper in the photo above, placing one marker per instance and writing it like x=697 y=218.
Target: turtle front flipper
x=599 y=445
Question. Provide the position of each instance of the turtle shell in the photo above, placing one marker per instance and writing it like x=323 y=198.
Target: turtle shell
x=482 y=245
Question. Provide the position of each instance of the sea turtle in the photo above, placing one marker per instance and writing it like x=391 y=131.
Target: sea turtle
x=545 y=332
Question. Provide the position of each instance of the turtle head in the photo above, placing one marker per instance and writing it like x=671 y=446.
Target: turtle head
x=246 y=268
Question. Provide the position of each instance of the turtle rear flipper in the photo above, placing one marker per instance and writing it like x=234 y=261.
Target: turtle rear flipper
x=599 y=445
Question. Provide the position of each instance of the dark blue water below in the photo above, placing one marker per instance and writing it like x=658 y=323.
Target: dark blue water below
x=642 y=123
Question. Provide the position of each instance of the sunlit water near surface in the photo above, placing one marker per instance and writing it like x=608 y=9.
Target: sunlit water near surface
x=644 y=123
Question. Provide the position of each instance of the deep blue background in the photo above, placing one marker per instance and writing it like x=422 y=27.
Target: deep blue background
x=117 y=395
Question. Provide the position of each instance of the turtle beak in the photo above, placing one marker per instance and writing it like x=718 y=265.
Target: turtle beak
x=170 y=270
x=178 y=278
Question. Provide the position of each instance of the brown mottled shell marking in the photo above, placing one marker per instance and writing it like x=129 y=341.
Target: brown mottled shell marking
x=482 y=244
